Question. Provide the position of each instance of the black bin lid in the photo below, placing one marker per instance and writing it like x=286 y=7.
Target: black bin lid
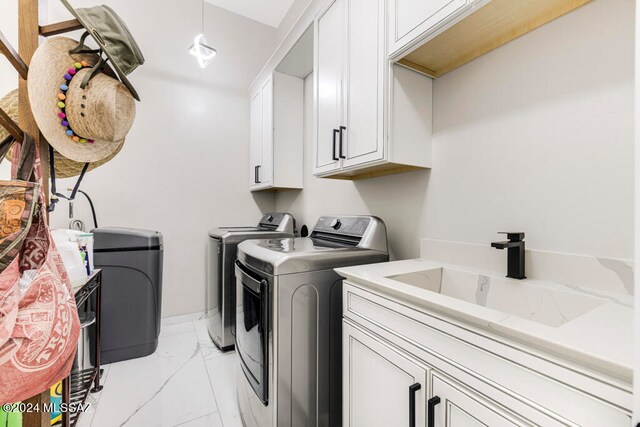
x=122 y=238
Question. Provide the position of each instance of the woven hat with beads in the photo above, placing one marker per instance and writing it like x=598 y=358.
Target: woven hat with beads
x=64 y=167
x=84 y=125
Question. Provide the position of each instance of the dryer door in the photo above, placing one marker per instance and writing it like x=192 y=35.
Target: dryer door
x=214 y=290
x=252 y=326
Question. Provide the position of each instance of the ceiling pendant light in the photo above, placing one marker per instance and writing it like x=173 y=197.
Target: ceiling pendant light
x=203 y=52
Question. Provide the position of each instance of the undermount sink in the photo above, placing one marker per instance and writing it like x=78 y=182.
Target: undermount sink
x=525 y=299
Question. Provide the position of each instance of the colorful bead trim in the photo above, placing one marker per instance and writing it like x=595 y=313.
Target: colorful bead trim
x=62 y=98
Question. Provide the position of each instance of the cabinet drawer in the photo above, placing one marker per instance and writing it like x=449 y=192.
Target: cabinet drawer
x=542 y=386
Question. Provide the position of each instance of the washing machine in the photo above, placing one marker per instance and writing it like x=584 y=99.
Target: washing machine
x=221 y=254
x=288 y=320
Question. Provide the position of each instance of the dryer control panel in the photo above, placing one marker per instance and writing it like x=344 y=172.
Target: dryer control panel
x=278 y=221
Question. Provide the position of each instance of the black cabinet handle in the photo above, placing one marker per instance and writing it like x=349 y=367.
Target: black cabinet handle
x=340 y=152
x=257 y=174
x=335 y=132
x=431 y=411
x=413 y=389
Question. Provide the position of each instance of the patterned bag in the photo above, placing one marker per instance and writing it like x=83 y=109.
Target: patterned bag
x=18 y=200
x=38 y=330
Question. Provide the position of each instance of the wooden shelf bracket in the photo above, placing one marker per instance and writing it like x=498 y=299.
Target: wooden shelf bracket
x=60 y=28
x=11 y=126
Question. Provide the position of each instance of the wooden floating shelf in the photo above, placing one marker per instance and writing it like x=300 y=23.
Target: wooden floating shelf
x=491 y=26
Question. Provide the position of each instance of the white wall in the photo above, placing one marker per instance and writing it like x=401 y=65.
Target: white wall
x=184 y=168
x=636 y=379
x=9 y=27
x=536 y=136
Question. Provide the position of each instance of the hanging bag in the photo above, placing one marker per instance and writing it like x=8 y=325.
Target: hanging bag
x=18 y=200
x=39 y=327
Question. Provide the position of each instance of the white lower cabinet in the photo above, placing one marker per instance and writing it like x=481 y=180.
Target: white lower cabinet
x=386 y=387
x=405 y=366
x=383 y=385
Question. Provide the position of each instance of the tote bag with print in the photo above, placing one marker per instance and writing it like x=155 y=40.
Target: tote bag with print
x=38 y=328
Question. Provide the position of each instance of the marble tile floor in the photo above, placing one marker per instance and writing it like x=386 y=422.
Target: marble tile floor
x=187 y=382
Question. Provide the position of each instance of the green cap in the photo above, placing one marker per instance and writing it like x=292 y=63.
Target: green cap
x=114 y=38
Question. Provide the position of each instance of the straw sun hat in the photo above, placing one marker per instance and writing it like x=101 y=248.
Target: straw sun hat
x=83 y=125
x=9 y=104
x=65 y=168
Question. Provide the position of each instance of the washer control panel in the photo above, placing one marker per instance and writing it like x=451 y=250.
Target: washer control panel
x=347 y=225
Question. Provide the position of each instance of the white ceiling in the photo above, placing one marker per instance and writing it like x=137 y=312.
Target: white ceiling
x=268 y=12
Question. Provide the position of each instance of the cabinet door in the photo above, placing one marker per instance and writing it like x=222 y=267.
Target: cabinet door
x=461 y=407
x=377 y=381
x=410 y=19
x=328 y=78
x=363 y=138
x=265 y=172
x=255 y=139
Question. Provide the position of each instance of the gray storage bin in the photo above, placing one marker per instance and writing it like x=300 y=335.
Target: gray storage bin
x=131 y=263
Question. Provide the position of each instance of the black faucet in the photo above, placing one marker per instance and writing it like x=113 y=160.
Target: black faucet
x=515 y=254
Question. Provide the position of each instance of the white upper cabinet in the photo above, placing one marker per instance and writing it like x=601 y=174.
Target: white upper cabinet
x=411 y=19
x=365 y=80
x=328 y=86
x=255 y=136
x=276 y=134
x=438 y=36
x=362 y=126
x=265 y=170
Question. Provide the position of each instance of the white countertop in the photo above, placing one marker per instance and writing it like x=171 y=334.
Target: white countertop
x=601 y=339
